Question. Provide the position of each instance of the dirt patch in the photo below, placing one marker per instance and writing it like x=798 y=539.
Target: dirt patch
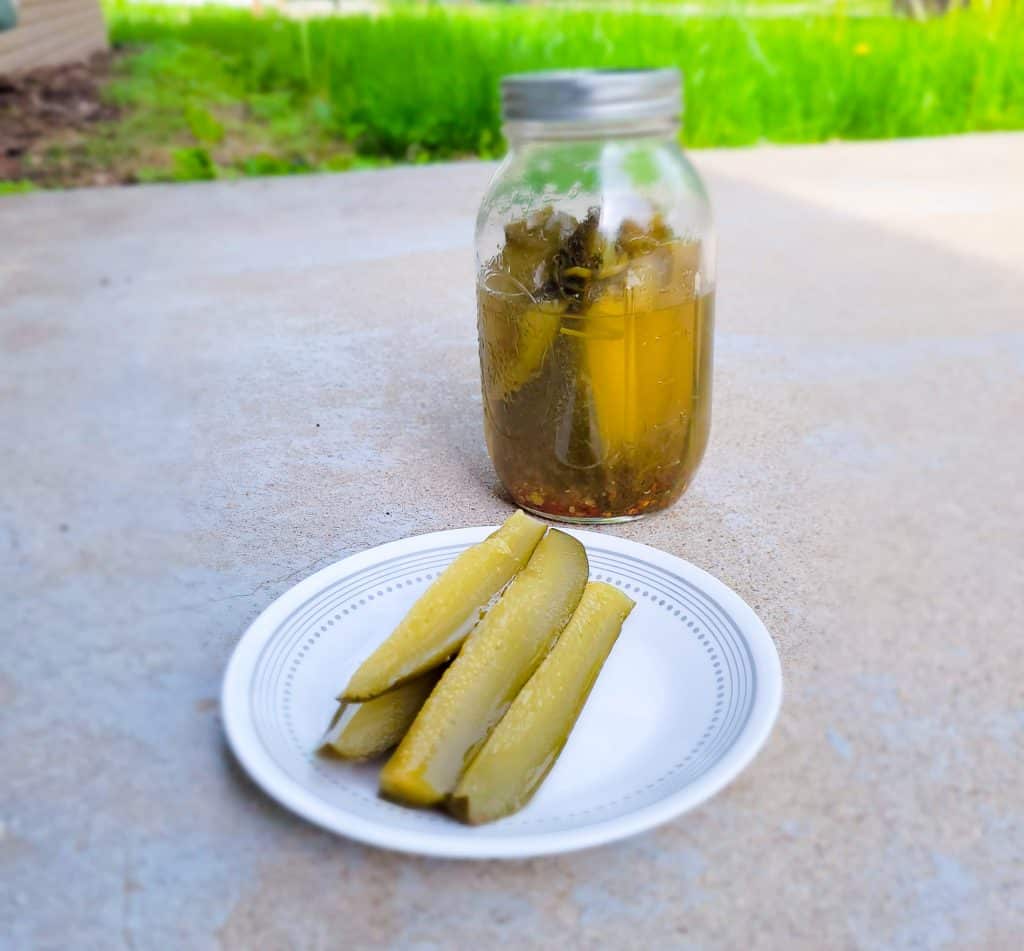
x=53 y=102
x=159 y=112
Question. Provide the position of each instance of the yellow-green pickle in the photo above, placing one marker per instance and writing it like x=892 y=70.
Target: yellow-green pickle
x=526 y=743
x=364 y=730
x=448 y=610
x=483 y=680
x=595 y=352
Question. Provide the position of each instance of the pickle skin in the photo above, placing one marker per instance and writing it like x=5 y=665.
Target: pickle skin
x=514 y=362
x=490 y=670
x=524 y=746
x=364 y=730
x=448 y=610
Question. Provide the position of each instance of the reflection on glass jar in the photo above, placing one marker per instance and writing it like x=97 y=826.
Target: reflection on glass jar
x=595 y=298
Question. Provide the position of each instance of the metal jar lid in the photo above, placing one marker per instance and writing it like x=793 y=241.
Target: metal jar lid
x=592 y=95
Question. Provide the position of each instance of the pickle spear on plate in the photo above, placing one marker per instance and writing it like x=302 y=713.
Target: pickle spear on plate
x=448 y=610
x=526 y=743
x=495 y=662
x=362 y=730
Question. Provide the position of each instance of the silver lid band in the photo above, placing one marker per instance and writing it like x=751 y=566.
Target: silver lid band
x=592 y=95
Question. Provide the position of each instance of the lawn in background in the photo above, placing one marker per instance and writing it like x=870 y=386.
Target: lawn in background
x=211 y=91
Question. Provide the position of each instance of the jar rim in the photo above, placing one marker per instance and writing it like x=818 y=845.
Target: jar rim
x=592 y=95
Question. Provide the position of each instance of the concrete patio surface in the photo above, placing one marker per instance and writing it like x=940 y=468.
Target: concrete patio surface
x=207 y=392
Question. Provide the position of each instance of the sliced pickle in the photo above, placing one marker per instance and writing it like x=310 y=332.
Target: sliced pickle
x=640 y=344
x=700 y=418
x=526 y=743
x=518 y=333
x=495 y=662
x=448 y=610
x=362 y=730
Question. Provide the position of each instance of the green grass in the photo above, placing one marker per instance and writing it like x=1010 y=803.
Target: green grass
x=425 y=82
x=212 y=92
x=186 y=114
x=191 y=113
x=17 y=187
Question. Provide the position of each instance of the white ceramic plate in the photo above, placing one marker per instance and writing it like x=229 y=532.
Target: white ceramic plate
x=683 y=704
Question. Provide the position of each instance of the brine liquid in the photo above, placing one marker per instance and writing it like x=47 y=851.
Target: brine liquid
x=597 y=415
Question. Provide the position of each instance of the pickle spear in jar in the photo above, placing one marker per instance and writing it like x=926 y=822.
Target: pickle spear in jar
x=639 y=348
x=448 y=610
x=518 y=336
x=496 y=660
x=363 y=730
x=516 y=326
x=526 y=743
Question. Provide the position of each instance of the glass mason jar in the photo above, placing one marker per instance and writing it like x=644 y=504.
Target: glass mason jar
x=595 y=286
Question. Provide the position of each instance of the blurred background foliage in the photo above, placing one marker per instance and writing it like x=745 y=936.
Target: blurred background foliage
x=205 y=91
